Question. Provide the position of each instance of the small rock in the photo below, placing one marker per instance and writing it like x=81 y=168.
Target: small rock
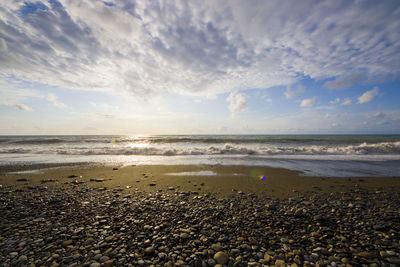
x=216 y=247
x=393 y=260
x=22 y=180
x=67 y=243
x=279 y=262
x=108 y=263
x=104 y=259
x=366 y=255
x=184 y=236
x=89 y=241
x=22 y=259
x=149 y=251
x=221 y=257
x=211 y=262
x=109 y=238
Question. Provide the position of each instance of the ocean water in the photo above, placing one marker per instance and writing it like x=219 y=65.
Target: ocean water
x=319 y=155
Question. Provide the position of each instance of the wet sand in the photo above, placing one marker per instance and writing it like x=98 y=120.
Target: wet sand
x=223 y=181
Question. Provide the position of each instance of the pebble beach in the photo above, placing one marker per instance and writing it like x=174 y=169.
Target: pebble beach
x=77 y=219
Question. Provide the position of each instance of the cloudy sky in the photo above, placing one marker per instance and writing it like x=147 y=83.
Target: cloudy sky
x=220 y=67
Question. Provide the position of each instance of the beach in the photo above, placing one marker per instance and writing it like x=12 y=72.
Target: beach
x=195 y=215
x=199 y=133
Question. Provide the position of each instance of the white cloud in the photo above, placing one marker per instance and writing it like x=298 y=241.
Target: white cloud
x=376 y=115
x=308 y=102
x=344 y=82
x=54 y=100
x=368 y=96
x=290 y=92
x=336 y=101
x=197 y=47
x=347 y=101
x=237 y=102
x=23 y=107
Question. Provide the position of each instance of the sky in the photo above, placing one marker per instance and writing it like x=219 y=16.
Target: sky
x=199 y=67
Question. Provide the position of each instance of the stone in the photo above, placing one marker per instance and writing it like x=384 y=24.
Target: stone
x=211 y=262
x=109 y=238
x=95 y=264
x=393 y=260
x=89 y=241
x=184 y=236
x=366 y=254
x=108 y=263
x=22 y=180
x=104 y=259
x=280 y=263
x=221 y=257
x=216 y=247
x=67 y=242
x=22 y=259
x=149 y=251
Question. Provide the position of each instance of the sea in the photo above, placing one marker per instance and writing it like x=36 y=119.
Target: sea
x=314 y=155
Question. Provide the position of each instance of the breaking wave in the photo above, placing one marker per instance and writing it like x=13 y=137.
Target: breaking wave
x=384 y=148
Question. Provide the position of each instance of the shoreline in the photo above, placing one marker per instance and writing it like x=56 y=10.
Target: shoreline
x=220 y=180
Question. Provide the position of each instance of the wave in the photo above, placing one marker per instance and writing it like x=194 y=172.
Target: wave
x=38 y=141
x=384 y=148
x=323 y=140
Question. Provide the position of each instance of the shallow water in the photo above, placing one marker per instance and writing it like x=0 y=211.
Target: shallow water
x=318 y=155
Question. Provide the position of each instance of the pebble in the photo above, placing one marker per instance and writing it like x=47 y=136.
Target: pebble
x=23 y=259
x=54 y=228
x=67 y=243
x=221 y=257
x=149 y=251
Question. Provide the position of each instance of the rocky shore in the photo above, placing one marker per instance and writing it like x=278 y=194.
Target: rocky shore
x=78 y=225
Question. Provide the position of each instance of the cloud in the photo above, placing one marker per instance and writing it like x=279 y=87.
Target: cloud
x=197 y=47
x=308 y=102
x=344 y=82
x=376 y=115
x=290 y=92
x=23 y=107
x=336 y=101
x=368 y=96
x=237 y=102
x=347 y=101
x=54 y=100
